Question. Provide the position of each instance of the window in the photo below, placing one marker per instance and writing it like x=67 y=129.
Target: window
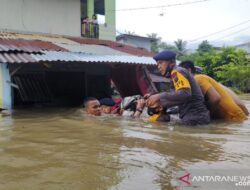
x=99 y=7
x=83 y=8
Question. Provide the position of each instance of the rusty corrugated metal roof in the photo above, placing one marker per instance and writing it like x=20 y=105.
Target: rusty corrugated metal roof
x=30 y=46
x=33 y=36
x=16 y=50
x=58 y=39
x=16 y=58
x=92 y=49
x=115 y=45
x=55 y=56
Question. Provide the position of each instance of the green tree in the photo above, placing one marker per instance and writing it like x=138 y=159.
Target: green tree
x=180 y=46
x=228 y=66
x=204 y=46
x=165 y=46
x=129 y=32
x=235 y=75
x=155 y=42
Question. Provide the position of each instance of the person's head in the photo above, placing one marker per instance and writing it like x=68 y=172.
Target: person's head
x=166 y=61
x=92 y=106
x=189 y=65
x=106 y=105
x=94 y=17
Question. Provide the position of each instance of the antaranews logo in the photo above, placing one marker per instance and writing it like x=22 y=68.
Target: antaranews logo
x=185 y=178
x=240 y=180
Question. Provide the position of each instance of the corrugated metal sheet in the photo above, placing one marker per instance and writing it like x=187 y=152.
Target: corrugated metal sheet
x=46 y=38
x=41 y=37
x=57 y=39
x=51 y=56
x=114 y=45
x=93 y=49
x=6 y=35
x=30 y=46
x=16 y=58
x=6 y=48
x=65 y=50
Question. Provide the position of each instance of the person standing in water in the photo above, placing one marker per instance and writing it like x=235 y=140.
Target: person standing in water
x=186 y=94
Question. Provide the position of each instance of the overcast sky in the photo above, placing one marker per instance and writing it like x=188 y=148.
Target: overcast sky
x=188 y=22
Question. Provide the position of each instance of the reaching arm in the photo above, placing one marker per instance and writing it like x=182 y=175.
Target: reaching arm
x=139 y=108
x=212 y=96
x=175 y=98
x=180 y=95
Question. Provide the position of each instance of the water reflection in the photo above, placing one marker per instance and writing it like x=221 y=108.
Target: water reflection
x=63 y=149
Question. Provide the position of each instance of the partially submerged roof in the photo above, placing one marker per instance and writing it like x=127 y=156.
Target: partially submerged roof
x=52 y=56
x=32 y=48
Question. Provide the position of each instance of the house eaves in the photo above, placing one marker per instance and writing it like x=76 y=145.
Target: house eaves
x=54 y=56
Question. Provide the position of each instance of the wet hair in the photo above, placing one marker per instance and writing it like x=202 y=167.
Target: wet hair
x=87 y=100
x=188 y=65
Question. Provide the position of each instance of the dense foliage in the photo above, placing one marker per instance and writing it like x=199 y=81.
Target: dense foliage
x=227 y=65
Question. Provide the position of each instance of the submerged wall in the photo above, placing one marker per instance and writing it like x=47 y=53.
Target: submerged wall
x=5 y=89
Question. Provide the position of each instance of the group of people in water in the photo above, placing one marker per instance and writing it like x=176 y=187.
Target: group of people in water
x=198 y=97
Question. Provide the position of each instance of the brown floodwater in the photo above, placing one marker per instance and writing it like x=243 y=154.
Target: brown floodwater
x=61 y=149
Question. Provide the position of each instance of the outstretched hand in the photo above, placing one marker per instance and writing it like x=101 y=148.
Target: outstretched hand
x=152 y=100
x=140 y=104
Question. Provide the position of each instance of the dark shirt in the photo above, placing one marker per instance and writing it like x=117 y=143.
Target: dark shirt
x=187 y=96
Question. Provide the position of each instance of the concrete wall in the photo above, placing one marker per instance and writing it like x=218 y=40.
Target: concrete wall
x=42 y=16
x=107 y=31
x=5 y=89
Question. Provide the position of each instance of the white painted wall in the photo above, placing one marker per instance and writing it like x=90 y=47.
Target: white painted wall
x=5 y=89
x=42 y=16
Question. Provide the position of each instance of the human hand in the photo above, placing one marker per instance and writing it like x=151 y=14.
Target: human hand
x=152 y=100
x=140 y=103
x=146 y=96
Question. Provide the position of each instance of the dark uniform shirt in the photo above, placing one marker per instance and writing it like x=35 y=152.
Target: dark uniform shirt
x=188 y=96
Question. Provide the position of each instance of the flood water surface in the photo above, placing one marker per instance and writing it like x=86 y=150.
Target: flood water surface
x=63 y=149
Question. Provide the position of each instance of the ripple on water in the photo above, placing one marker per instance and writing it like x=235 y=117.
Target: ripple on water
x=63 y=149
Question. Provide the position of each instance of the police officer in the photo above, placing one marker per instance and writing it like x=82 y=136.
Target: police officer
x=186 y=95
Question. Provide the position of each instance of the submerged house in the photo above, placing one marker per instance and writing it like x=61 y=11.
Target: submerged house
x=61 y=73
x=44 y=58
